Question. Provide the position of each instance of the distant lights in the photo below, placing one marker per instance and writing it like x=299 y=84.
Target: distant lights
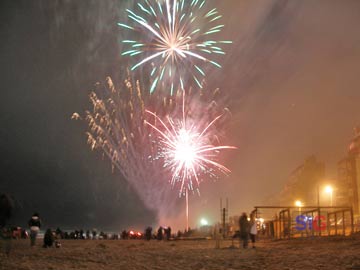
x=298 y=203
x=204 y=222
x=328 y=189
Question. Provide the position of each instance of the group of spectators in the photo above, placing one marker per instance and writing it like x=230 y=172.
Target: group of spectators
x=162 y=233
x=82 y=235
x=248 y=229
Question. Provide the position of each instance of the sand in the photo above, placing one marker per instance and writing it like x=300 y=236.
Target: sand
x=324 y=253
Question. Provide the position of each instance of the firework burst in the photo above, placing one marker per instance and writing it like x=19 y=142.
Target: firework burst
x=117 y=127
x=173 y=37
x=187 y=148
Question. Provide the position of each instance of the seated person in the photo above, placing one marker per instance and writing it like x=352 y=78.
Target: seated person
x=48 y=239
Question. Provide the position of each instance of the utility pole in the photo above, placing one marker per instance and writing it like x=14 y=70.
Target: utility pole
x=318 y=205
x=224 y=215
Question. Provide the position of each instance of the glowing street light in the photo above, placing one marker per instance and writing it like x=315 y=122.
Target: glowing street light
x=298 y=204
x=204 y=222
x=329 y=190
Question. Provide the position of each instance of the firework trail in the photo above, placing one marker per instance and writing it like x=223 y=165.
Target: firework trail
x=117 y=127
x=174 y=38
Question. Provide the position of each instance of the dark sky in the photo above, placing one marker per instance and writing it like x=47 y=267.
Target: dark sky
x=291 y=78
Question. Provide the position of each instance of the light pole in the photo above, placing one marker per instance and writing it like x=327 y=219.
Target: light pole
x=318 y=205
x=318 y=196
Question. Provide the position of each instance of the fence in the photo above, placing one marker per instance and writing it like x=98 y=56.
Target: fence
x=285 y=222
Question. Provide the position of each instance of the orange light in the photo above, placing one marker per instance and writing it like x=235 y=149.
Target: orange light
x=328 y=189
x=298 y=203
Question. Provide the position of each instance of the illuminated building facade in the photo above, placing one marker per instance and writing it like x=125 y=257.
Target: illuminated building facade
x=302 y=183
x=349 y=176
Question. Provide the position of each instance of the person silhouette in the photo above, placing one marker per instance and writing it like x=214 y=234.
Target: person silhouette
x=34 y=224
x=244 y=229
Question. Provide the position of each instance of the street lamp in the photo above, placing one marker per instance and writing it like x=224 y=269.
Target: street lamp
x=329 y=190
x=299 y=204
x=204 y=222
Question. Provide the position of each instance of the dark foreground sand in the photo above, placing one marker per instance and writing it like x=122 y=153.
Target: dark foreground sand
x=335 y=253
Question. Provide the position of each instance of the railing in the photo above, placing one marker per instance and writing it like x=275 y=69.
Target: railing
x=293 y=222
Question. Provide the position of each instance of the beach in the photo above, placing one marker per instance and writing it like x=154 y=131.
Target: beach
x=310 y=253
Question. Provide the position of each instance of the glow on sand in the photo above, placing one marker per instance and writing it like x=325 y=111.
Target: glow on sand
x=188 y=151
x=175 y=37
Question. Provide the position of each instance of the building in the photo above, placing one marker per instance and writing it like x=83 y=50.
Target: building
x=302 y=183
x=349 y=176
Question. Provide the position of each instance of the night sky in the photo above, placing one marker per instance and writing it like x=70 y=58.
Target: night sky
x=291 y=79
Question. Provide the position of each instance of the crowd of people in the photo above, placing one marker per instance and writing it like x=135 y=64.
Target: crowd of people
x=247 y=231
x=52 y=237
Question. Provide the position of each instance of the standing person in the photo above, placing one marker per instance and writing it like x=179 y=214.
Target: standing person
x=148 y=233
x=244 y=229
x=59 y=234
x=168 y=233
x=94 y=233
x=34 y=224
x=253 y=229
x=160 y=233
x=6 y=207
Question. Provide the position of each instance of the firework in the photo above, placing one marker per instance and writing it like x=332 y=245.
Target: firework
x=174 y=38
x=117 y=127
x=187 y=149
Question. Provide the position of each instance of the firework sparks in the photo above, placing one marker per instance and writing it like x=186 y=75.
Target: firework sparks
x=175 y=40
x=116 y=127
x=187 y=150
